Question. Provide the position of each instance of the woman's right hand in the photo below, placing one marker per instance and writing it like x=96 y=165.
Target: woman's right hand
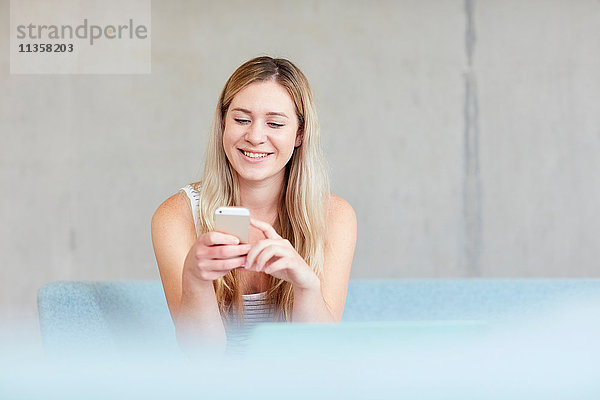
x=213 y=255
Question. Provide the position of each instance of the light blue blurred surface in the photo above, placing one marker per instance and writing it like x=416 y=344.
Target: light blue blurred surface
x=416 y=339
x=108 y=314
x=102 y=317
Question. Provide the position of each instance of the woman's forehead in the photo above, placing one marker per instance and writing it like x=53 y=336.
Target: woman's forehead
x=264 y=97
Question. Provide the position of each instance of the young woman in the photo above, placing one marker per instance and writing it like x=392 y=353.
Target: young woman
x=264 y=154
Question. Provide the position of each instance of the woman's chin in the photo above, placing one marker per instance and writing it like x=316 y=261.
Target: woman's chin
x=253 y=178
x=259 y=176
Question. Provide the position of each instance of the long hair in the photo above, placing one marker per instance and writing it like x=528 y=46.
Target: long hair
x=302 y=206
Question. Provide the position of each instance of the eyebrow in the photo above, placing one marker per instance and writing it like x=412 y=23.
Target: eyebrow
x=269 y=113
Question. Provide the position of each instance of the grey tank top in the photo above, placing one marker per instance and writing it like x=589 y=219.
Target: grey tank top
x=257 y=307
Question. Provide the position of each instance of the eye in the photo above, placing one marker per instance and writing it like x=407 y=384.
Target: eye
x=274 y=125
x=241 y=121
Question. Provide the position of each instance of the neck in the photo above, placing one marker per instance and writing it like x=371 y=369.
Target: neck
x=261 y=198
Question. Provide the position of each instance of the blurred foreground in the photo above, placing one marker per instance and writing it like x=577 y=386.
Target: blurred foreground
x=554 y=355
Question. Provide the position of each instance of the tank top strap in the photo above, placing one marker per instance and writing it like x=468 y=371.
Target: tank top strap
x=194 y=198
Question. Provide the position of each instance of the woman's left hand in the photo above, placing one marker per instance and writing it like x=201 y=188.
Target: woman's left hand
x=277 y=257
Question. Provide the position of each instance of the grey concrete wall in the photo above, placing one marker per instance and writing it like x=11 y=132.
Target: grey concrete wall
x=466 y=134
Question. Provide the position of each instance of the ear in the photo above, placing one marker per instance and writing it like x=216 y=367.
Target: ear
x=299 y=137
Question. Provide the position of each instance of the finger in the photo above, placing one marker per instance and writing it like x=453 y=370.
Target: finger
x=212 y=275
x=275 y=266
x=267 y=229
x=255 y=251
x=267 y=254
x=217 y=238
x=228 y=251
x=226 y=265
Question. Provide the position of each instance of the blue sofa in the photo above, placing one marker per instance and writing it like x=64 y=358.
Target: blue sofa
x=412 y=339
x=116 y=315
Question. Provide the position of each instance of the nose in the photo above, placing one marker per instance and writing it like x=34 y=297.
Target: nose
x=255 y=134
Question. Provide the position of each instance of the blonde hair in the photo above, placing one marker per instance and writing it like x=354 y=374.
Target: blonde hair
x=302 y=206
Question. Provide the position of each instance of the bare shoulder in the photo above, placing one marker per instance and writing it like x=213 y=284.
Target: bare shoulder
x=340 y=212
x=174 y=215
x=177 y=207
x=341 y=222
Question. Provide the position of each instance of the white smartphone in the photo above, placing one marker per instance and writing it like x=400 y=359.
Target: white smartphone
x=233 y=220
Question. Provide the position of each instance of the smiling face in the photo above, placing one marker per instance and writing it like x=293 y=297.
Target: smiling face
x=261 y=131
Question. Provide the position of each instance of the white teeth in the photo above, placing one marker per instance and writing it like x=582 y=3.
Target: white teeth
x=254 y=155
